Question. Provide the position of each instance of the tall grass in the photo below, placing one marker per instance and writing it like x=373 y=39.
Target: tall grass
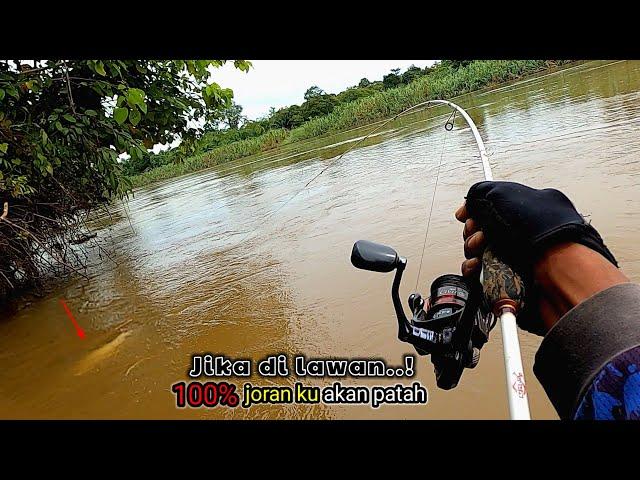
x=217 y=156
x=436 y=85
x=441 y=83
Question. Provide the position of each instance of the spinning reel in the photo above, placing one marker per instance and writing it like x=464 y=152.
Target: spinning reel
x=451 y=326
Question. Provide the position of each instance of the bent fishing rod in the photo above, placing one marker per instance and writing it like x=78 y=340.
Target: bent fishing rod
x=459 y=313
x=454 y=323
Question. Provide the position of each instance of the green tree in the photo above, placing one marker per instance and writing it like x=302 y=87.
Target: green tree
x=455 y=64
x=364 y=83
x=314 y=91
x=317 y=106
x=354 y=93
x=232 y=116
x=392 y=80
x=289 y=117
x=412 y=74
x=253 y=129
x=63 y=125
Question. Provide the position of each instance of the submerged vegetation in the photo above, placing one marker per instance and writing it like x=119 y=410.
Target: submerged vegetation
x=323 y=114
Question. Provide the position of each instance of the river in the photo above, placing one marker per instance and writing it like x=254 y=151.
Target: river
x=226 y=261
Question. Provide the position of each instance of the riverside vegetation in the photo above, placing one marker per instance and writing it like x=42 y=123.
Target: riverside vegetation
x=323 y=114
x=65 y=123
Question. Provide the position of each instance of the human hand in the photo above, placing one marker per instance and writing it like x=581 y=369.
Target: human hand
x=522 y=224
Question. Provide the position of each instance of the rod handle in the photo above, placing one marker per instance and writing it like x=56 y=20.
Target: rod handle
x=502 y=287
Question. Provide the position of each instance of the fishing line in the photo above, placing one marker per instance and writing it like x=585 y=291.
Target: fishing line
x=448 y=126
x=332 y=162
x=433 y=197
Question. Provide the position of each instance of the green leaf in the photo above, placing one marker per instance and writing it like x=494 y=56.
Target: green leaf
x=4 y=147
x=91 y=113
x=134 y=117
x=1 y=94
x=49 y=169
x=69 y=118
x=242 y=65
x=143 y=106
x=120 y=115
x=135 y=96
x=114 y=68
x=100 y=68
x=59 y=126
x=45 y=137
x=211 y=94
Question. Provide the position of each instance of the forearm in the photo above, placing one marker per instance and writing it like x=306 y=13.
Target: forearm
x=568 y=274
x=592 y=315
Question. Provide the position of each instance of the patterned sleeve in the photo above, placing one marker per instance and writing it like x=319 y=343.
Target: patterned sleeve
x=614 y=393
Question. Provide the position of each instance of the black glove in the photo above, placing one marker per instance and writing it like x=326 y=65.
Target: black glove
x=520 y=223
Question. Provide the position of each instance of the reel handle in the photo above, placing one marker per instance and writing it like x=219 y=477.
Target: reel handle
x=502 y=287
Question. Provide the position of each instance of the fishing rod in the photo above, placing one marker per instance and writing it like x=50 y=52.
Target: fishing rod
x=460 y=313
x=454 y=323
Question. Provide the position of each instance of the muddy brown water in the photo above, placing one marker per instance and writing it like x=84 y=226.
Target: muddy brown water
x=216 y=262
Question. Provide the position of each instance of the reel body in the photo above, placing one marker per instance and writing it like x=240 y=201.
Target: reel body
x=452 y=326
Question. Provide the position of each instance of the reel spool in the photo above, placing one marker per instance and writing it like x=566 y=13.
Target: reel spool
x=452 y=327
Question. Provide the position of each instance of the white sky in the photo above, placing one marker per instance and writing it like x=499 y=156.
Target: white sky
x=280 y=83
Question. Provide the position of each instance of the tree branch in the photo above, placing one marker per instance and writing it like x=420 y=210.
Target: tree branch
x=44 y=247
x=37 y=70
x=66 y=72
x=83 y=79
x=5 y=277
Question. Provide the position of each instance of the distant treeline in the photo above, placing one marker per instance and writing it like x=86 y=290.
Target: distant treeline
x=233 y=126
x=235 y=137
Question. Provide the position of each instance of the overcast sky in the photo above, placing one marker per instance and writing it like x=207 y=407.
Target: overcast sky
x=280 y=83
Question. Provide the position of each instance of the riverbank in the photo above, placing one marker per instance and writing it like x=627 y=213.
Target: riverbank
x=439 y=84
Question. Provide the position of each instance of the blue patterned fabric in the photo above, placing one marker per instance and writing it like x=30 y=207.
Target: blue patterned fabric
x=614 y=393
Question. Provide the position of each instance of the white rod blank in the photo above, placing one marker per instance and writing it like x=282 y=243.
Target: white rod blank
x=516 y=386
